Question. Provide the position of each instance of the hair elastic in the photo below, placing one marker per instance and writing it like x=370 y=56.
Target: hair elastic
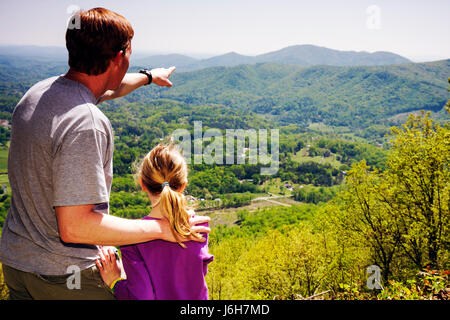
x=165 y=183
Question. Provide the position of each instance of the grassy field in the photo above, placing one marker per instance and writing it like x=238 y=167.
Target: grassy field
x=3 y=160
x=229 y=216
x=302 y=156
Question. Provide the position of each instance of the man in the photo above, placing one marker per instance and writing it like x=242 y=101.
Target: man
x=60 y=168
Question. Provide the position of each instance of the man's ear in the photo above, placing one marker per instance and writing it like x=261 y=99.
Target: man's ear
x=118 y=57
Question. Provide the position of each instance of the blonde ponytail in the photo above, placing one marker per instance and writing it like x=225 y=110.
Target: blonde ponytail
x=163 y=171
x=174 y=210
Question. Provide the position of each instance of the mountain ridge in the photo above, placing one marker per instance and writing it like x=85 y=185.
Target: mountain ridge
x=301 y=55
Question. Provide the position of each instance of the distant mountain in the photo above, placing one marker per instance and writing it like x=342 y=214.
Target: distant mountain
x=225 y=60
x=185 y=63
x=300 y=55
x=309 y=55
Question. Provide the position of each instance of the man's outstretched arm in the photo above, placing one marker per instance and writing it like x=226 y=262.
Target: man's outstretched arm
x=80 y=224
x=133 y=81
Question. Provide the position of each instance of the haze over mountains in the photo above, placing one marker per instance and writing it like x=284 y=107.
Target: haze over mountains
x=301 y=55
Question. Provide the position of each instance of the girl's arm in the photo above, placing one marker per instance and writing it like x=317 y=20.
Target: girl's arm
x=137 y=285
x=109 y=266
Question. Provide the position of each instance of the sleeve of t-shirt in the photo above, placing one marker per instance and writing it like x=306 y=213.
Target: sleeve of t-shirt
x=78 y=169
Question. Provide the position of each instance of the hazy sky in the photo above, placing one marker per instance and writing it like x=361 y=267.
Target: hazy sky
x=419 y=30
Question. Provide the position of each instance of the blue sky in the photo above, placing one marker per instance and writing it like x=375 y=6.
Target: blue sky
x=419 y=30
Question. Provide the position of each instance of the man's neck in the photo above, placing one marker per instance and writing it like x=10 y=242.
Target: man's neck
x=97 y=84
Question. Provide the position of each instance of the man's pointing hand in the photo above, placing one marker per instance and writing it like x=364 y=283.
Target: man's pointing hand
x=160 y=76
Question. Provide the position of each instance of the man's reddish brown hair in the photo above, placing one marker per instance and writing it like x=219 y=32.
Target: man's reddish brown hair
x=102 y=34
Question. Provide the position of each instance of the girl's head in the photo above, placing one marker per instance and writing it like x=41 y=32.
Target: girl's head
x=163 y=172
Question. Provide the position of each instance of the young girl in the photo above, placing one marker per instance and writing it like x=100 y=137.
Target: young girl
x=161 y=270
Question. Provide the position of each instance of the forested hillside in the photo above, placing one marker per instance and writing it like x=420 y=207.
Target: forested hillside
x=357 y=97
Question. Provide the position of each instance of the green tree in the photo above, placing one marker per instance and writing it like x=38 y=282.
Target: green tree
x=366 y=216
x=287 y=265
x=419 y=177
x=402 y=214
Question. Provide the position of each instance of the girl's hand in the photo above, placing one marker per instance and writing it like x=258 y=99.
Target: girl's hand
x=108 y=266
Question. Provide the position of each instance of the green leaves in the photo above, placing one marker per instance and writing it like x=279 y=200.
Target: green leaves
x=404 y=211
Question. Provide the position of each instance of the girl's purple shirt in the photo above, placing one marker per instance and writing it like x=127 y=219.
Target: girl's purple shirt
x=162 y=270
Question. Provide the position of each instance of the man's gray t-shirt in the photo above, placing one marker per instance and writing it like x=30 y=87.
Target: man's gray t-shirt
x=60 y=155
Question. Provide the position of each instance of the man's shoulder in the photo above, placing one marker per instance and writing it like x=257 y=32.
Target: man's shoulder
x=52 y=91
x=40 y=87
x=62 y=89
x=46 y=82
x=74 y=106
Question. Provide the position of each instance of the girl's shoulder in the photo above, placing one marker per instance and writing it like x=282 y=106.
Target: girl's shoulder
x=150 y=218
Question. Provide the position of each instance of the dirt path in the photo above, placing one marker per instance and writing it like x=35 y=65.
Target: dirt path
x=228 y=216
x=270 y=199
